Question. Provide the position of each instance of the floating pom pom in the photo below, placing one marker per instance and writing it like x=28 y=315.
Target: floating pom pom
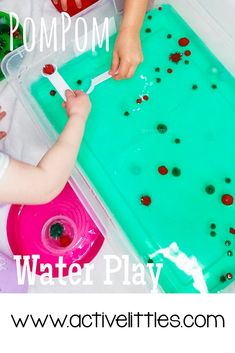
x=56 y=230
x=232 y=230
x=146 y=200
x=228 y=243
x=176 y=172
x=52 y=92
x=175 y=57
x=227 y=200
x=210 y=189
x=229 y=276
x=222 y=279
x=183 y=42
x=65 y=241
x=187 y=53
x=162 y=128
x=163 y=170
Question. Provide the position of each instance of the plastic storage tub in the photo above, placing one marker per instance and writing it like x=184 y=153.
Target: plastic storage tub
x=78 y=182
x=18 y=64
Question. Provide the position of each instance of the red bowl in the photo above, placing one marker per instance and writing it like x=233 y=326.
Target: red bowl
x=72 y=7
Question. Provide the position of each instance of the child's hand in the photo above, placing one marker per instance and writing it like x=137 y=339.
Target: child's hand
x=127 y=54
x=64 y=3
x=77 y=104
x=2 y=115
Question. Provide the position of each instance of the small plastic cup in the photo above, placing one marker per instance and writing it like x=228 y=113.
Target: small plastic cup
x=59 y=235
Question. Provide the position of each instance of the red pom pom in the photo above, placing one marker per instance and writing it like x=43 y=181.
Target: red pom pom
x=229 y=276
x=183 y=42
x=163 y=170
x=146 y=200
x=65 y=241
x=187 y=53
x=48 y=69
x=227 y=200
x=175 y=57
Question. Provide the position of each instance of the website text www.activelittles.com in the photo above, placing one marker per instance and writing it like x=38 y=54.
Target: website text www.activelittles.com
x=120 y=320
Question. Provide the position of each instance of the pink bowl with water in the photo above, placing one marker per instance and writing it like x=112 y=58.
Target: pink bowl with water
x=29 y=230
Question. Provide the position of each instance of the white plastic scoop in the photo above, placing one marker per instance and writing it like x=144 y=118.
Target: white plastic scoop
x=50 y=71
x=97 y=80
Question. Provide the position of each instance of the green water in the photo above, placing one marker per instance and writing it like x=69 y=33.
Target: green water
x=121 y=153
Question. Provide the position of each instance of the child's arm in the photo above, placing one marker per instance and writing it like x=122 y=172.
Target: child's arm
x=23 y=183
x=127 y=54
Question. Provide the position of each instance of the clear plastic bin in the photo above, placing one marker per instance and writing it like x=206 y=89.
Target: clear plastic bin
x=21 y=68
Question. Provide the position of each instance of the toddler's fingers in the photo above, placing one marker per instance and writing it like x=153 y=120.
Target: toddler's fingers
x=2 y=134
x=69 y=94
x=64 y=105
x=78 y=3
x=64 y=4
x=123 y=70
x=79 y=93
x=2 y=115
x=115 y=64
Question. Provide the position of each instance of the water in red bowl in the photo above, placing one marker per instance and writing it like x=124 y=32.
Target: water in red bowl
x=72 y=8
